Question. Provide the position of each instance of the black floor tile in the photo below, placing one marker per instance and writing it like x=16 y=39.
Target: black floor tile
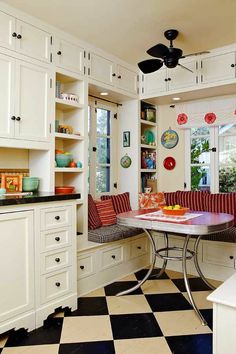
x=208 y=315
x=168 y=302
x=49 y=335
x=103 y=347
x=118 y=286
x=134 y=326
x=196 y=284
x=141 y=274
x=192 y=344
x=1 y=350
x=90 y=306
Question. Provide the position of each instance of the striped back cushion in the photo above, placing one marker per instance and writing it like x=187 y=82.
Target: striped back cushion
x=106 y=212
x=93 y=218
x=121 y=202
x=194 y=200
x=222 y=203
x=171 y=198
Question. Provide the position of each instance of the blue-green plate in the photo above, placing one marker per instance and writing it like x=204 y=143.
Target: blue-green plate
x=149 y=136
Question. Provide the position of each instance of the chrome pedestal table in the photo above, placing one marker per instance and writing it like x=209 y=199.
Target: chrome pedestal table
x=204 y=224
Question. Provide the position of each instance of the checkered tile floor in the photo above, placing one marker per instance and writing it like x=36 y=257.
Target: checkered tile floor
x=156 y=319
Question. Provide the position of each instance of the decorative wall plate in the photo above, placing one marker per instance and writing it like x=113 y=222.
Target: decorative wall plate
x=149 y=136
x=169 y=139
x=169 y=163
x=125 y=161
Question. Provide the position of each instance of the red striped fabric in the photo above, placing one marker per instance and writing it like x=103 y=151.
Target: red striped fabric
x=93 y=218
x=194 y=200
x=171 y=198
x=106 y=212
x=121 y=202
x=222 y=203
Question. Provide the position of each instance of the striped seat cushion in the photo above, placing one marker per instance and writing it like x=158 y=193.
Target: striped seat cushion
x=171 y=198
x=112 y=233
x=121 y=202
x=106 y=212
x=93 y=218
x=222 y=203
x=194 y=200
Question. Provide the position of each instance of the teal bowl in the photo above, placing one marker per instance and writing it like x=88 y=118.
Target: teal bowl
x=30 y=184
x=63 y=160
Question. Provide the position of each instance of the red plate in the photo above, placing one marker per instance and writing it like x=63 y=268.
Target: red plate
x=169 y=163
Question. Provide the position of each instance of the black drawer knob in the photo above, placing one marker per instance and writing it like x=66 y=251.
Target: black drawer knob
x=18 y=118
x=166 y=79
x=119 y=77
x=139 y=247
x=13 y=118
x=169 y=79
x=113 y=256
x=14 y=34
x=57 y=239
x=58 y=284
x=59 y=52
x=81 y=267
x=19 y=36
x=57 y=260
x=231 y=257
x=57 y=217
x=232 y=65
x=113 y=74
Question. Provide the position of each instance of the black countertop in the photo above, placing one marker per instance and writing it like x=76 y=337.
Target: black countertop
x=40 y=197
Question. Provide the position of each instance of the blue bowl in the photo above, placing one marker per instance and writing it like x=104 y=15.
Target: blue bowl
x=63 y=160
x=30 y=184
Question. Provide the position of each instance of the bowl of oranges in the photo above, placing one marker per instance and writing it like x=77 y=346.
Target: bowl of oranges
x=174 y=210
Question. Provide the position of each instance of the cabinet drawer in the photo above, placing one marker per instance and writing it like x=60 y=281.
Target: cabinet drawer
x=138 y=247
x=85 y=266
x=56 y=285
x=54 y=261
x=219 y=254
x=112 y=257
x=55 y=239
x=56 y=217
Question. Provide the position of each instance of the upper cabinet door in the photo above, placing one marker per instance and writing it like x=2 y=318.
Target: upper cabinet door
x=155 y=83
x=7 y=31
x=101 y=69
x=69 y=56
x=32 y=41
x=219 y=67
x=126 y=79
x=7 y=74
x=32 y=102
x=179 y=78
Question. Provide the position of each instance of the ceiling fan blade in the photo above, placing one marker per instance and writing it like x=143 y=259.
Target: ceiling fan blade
x=184 y=67
x=150 y=65
x=158 y=51
x=192 y=54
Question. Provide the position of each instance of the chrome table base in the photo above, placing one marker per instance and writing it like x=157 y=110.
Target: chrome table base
x=186 y=255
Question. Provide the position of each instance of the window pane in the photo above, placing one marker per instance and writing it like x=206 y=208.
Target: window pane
x=200 y=131
x=227 y=179
x=200 y=178
x=103 y=150
x=103 y=122
x=199 y=151
x=103 y=179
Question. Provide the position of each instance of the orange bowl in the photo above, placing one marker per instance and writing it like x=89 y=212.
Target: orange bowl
x=175 y=212
x=64 y=190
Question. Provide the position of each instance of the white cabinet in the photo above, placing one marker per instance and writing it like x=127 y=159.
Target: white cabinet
x=17 y=265
x=126 y=79
x=25 y=100
x=69 y=56
x=24 y=38
x=155 y=82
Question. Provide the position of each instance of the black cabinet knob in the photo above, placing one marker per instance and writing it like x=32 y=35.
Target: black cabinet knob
x=14 y=34
x=19 y=36
x=18 y=118
x=82 y=267
x=139 y=247
x=58 y=284
x=13 y=118
x=166 y=79
x=119 y=77
x=231 y=257
x=57 y=260
x=57 y=239
x=113 y=256
x=57 y=217
x=113 y=74
x=232 y=65
x=169 y=79
x=59 y=52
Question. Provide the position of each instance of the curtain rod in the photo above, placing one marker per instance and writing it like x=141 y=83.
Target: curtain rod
x=103 y=99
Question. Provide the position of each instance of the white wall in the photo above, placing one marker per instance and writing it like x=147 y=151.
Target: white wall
x=14 y=158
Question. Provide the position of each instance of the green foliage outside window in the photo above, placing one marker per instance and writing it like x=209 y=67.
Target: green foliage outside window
x=198 y=146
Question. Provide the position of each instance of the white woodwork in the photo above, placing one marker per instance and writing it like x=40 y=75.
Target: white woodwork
x=7 y=93
x=155 y=82
x=138 y=247
x=17 y=264
x=85 y=265
x=34 y=42
x=219 y=253
x=49 y=288
x=112 y=257
x=217 y=68
x=126 y=79
x=52 y=218
x=50 y=240
x=180 y=77
x=54 y=261
x=71 y=57
x=101 y=69
x=7 y=28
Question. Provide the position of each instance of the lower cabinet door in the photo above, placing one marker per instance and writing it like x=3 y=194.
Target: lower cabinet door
x=16 y=264
x=54 y=285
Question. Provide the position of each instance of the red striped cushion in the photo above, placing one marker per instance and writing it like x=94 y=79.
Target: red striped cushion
x=106 y=212
x=93 y=218
x=121 y=202
x=222 y=203
x=171 y=198
x=194 y=200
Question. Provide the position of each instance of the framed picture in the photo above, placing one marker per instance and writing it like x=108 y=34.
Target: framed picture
x=126 y=139
x=12 y=183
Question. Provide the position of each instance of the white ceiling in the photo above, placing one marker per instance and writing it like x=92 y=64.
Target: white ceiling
x=127 y=28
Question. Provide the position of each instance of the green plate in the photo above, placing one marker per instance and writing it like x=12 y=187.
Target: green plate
x=149 y=136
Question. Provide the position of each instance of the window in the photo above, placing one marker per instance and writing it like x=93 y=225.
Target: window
x=211 y=155
x=102 y=144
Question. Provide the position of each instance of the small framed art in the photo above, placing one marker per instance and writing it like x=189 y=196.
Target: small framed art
x=12 y=183
x=126 y=139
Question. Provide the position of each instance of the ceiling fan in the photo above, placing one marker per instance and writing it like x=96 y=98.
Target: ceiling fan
x=170 y=56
